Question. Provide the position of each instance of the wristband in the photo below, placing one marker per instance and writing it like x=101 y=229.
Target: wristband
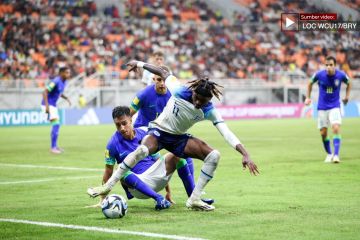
x=140 y=64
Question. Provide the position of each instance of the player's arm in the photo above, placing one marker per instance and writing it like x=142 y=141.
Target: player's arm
x=46 y=101
x=66 y=98
x=151 y=68
x=232 y=140
x=347 y=91
x=309 y=89
x=108 y=171
x=136 y=103
x=49 y=87
x=168 y=194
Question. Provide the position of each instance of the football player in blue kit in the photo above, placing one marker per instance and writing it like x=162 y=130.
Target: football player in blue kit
x=187 y=106
x=152 y=173
x=53 y=91
x=329 y=81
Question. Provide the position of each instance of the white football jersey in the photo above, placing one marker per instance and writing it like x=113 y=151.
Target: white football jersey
x=147 y=77
x=179 y=113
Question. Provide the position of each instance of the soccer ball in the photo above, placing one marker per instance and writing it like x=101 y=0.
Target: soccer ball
x=114 y=206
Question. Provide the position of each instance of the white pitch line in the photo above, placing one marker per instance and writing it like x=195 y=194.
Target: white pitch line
x=46 y=180
x=51 y=167
x=100 y=229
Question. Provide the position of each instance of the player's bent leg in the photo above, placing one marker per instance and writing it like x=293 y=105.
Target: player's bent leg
x=133 y=181
x=130 y=161
x=187 y=179
x=190 y=164
x=186 y=176
x=199 y=149
x=207 y=172
x=155 y=179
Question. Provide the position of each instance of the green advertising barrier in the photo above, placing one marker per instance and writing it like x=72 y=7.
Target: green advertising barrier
x=32 y=117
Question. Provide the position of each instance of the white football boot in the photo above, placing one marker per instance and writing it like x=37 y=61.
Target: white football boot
x=199 y=205
x=329 y=158
x=336 y=159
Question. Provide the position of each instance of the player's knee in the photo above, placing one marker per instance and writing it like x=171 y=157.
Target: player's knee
x=336 y=128
x=142 y=151
x=213 y=157
x=182 y=162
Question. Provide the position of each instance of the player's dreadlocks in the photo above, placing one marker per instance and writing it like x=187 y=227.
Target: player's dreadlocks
x=204 y=87
x=120 y=111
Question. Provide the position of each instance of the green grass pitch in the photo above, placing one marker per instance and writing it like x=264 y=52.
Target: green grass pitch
x=296 y=196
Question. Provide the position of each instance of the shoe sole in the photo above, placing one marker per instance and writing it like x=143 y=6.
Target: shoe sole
x=198 y=208
x=201 y=209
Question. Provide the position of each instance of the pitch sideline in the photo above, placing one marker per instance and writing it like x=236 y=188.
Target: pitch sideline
x=51 y=167
x=99 y=229
x=47 y=180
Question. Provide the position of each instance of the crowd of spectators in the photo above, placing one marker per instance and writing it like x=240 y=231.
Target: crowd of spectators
x=195 y=40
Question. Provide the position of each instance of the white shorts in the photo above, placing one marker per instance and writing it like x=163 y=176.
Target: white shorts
x=155 y=177
x=327 y=118
x=53 y=112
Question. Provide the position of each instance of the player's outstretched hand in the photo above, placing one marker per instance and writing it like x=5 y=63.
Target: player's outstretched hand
x=247 y=162
x=345 y=100
x=132 y=65
x=169 y=198
x=98 y=205
x=307 y=101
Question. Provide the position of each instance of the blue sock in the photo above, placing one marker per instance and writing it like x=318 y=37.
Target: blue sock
x=126 y=189
x=190 y=165
x=337 y=143
x=54 y=135
x=134 y=182
x=186 y=176
x=327 y=146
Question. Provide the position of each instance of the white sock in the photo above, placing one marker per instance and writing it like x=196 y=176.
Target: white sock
x=207 y=172
x=130 y=161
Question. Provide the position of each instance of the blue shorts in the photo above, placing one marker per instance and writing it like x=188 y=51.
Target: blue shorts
x=171 y=142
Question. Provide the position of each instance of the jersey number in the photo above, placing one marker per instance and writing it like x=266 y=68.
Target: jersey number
x=176 y=110
x=329 y=90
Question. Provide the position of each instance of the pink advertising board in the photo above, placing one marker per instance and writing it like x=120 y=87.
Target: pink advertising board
x=252 y=111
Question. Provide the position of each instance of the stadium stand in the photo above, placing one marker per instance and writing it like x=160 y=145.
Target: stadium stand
x=196 y=39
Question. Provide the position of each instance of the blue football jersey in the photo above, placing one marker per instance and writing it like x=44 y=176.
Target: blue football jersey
x=118 y=148
x=56 y=88
x=149 y=104
x=329 y=88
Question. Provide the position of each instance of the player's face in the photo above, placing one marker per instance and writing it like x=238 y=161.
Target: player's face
x=330 y=67
x=200 y=101
x=159 y=60
x=124 y=126
x=65 y=74
x=159 y=84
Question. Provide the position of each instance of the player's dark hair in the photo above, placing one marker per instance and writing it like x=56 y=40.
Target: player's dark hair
x=328 y=58
x=120 y=111
x=204 y=87
x=63 y=69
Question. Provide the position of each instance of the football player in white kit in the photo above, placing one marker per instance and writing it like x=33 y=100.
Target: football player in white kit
x=187 y=106
x=156 y=58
